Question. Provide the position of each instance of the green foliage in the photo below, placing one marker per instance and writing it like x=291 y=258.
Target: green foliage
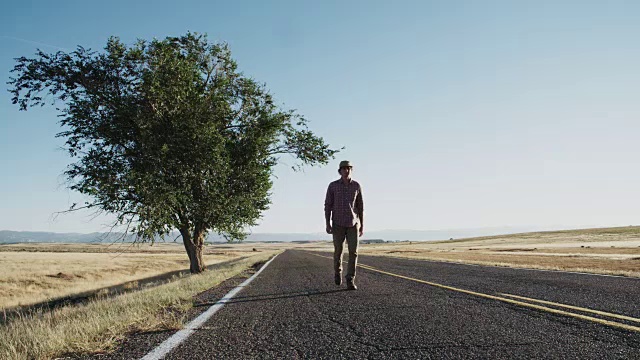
x=167 y=134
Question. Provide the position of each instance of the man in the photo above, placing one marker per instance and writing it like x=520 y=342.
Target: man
x=344 y=215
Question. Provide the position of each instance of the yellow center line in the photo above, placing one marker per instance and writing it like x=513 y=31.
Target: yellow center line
x=511 y=301
x=603 y=313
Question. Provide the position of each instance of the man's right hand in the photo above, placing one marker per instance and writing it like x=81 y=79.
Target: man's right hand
x=329 y=229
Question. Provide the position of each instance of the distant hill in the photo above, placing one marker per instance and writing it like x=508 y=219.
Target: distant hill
x=7 y=237
x=10 y=237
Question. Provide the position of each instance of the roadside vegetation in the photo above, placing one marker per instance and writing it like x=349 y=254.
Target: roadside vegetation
x=98 y=325
x=35 y=273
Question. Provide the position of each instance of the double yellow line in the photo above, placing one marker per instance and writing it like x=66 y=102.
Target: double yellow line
x=508 y=298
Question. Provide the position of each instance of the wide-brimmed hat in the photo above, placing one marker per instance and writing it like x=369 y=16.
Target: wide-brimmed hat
x=345 y=163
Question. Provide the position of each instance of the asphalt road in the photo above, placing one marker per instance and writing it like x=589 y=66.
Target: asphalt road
x=410 y=309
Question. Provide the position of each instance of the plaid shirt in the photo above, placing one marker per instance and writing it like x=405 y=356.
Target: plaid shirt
x=344 y=202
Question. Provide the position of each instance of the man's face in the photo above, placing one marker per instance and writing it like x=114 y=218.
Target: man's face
x=346 y=172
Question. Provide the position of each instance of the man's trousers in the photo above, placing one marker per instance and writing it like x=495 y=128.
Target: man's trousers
x=340 y=233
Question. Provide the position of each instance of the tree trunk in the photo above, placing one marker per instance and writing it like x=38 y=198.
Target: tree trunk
x=194 y=246
x=199 y=244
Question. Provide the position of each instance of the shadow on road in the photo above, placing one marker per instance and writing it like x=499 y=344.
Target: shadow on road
x=264 y=297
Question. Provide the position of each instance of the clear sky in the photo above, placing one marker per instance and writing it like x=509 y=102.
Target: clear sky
x=456 y=114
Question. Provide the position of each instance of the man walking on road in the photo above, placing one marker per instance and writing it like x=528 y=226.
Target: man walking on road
x=344 y=215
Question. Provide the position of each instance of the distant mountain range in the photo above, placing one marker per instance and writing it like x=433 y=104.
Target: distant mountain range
x=7 y=237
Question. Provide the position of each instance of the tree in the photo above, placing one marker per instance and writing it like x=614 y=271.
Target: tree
x=167 y=134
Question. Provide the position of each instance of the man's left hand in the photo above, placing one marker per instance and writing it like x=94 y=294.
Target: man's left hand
x=361 y=230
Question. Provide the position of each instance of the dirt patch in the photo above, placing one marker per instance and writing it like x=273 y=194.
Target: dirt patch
x=63 y=276
x=515 y=250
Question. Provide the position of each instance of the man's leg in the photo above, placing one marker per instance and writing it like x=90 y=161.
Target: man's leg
x=352 y=244
x=339 y=233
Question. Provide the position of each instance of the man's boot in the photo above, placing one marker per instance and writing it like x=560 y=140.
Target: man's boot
x=351 y=285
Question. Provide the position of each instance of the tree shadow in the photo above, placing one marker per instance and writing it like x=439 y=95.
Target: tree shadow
x=265 y=297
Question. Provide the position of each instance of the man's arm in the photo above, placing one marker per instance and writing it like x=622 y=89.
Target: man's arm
x=328 y=207
x=360 y=210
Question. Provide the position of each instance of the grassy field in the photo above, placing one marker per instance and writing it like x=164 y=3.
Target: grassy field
x=603 y=250
x=34 y=273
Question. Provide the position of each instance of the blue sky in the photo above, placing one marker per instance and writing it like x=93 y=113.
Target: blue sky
x=457 y=114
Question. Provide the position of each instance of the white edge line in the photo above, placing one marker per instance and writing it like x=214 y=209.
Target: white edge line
x=166 y=346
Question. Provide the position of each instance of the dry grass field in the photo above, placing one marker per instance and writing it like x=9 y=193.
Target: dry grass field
x=33 y=273
x=604 y=250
